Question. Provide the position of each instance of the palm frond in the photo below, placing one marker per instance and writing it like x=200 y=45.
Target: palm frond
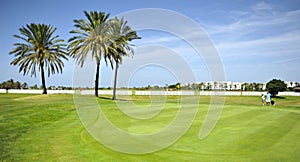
x=38 y=47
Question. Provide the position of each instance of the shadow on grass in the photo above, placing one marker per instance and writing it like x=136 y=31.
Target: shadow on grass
x=105 y=98
x=109 y=98
x=279 y=97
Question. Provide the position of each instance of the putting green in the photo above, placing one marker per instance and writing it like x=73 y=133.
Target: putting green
x=47 y=128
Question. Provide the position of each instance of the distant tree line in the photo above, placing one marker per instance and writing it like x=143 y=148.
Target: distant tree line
x=11 y=84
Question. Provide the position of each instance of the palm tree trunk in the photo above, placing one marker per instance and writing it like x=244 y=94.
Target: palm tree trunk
x=43 y=79
x=115 y=81
x=97 y=78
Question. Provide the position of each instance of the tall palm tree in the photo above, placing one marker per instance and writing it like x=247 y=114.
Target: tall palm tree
x=91 y=37
x=40 y=50
x=121 y=34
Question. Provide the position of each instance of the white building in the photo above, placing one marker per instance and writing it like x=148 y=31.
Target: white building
x=228 y=85
x=291 y=84
x=235 y=86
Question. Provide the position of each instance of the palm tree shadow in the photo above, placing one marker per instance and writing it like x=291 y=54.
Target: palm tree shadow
x=105 y=98
x=279 y=97
x=109 y=98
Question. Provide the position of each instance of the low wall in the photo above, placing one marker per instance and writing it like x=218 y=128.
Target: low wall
x=212 y=93
x=288 y=93
x=2 y=90
x=60 y=91
x=29 y=91
x=38 y=91
x=149 y=93
x=245 y=93
x=168 y=93
x=105 y=92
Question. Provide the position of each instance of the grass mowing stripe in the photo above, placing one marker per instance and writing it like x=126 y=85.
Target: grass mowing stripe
x=241 y=128
x=226 y=132
x=290 y=147
x=255 y=138
x=231 y=128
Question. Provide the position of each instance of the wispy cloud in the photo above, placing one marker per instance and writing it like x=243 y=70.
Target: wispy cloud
x=282 y=45
x=262 y=6
x=245 y=22
x=261 y=30
x=158 y=39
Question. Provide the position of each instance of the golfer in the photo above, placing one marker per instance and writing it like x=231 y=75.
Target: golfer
x=262 y=99
x=268 y=98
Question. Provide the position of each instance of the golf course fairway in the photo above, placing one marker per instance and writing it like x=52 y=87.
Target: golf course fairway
x=48 y=128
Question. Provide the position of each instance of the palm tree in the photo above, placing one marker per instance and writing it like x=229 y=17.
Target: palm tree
x=121 y=33
x=41 y=50
x=92 y=37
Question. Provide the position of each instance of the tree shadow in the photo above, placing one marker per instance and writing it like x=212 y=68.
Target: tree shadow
x=109 y=98
x=279 y=97
x=105 y=98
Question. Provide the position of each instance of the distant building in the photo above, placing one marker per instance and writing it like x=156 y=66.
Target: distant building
x=235 y=86
x=291 y=84
x=228 y=85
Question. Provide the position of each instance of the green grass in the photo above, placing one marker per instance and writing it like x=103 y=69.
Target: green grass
x=47 y=128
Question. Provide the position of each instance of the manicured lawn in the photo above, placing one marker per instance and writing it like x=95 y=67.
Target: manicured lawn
x=47 y=128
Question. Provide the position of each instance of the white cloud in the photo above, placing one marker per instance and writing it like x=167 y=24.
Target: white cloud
x=262 y=6
x=288 y=42
x=250 y=23
x=157 y=40
x=263 y=34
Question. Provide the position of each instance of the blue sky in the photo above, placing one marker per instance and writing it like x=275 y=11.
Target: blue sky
x=256 y=40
